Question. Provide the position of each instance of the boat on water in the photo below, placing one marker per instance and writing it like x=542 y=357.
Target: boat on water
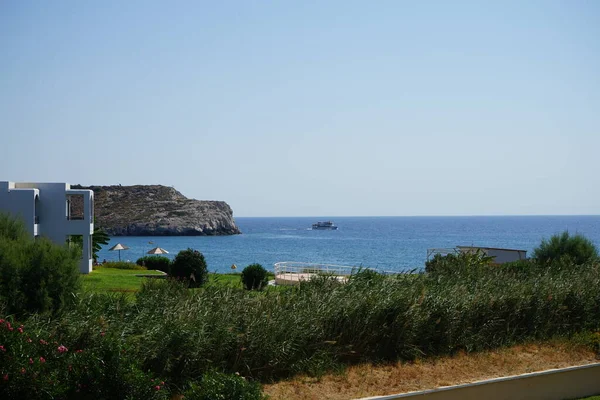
x=324 y=225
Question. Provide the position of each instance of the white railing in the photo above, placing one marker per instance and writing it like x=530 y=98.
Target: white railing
x=293 y=267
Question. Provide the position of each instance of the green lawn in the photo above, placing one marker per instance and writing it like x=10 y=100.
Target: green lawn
x=125 y=280
x=114 y=280
x=231 y=279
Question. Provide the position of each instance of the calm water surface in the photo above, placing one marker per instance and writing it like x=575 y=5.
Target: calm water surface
x=387 y=243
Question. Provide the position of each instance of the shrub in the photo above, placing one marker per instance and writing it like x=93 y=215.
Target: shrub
x=254 y=277
x=12 y=228
x=578 y=249
x=34 y=365
x=35 y=275
x=367 y=275
x=190 y=265
x=159 y=263
x=461 y=261
x=215 y=385
x=122 y=265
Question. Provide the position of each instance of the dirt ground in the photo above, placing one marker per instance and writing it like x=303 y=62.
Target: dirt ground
x=368 y=380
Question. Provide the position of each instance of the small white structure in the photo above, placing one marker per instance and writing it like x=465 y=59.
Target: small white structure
x=53 y=210
x=500 y=256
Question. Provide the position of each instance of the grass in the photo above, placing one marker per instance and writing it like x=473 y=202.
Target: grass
x=377 y=380
x=102 y=280
x=114 y=280
x=322 y=326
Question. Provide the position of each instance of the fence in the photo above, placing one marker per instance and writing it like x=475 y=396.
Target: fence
x=292 y=272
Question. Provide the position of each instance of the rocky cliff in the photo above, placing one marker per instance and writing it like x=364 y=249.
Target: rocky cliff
x=156 y=210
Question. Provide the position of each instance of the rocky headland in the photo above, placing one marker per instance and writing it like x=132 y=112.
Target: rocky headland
x=156 y=210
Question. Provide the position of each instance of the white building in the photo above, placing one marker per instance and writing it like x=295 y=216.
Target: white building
x=53 y=210
x=499 y=255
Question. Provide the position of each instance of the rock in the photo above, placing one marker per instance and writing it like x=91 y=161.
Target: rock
x=156 y=210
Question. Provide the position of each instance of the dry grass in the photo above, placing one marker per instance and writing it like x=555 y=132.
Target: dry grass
x=368 y=380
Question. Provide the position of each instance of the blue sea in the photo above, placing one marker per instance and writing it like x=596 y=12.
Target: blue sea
x=385 y=243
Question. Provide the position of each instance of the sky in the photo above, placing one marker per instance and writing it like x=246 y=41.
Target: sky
x=310 y=108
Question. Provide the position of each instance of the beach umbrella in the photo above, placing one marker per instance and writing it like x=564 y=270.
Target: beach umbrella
x=158 y=250
x=119 y=247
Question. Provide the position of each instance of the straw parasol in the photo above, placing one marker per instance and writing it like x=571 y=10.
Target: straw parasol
x=158 y=250
x=119 y=247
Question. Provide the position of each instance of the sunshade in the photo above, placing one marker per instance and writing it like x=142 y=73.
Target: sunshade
x=158 y=250
x=119 y=247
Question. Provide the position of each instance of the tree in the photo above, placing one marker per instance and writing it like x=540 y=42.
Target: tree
x=190 y=265
x=577 y=249
x=254 y=277
x=35 y=275
x=99 y=238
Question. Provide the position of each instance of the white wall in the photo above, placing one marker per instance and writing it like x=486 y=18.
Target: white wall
x=19 y=200
x=19 y=203
x=500 y=255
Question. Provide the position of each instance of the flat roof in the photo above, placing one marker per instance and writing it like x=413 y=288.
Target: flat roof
x=487 y=248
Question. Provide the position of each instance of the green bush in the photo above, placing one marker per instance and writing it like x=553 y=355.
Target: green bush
x=461 y=261
x=254 y=277
x=121 y=265
x=215 y=386
x=577 y=249
x=12 y=228
x=35 y=275
x=35 y=365
x=190 y=266
x=366 y=275
x=160 y=263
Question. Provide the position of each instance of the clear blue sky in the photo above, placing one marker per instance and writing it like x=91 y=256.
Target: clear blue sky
x=318 y=108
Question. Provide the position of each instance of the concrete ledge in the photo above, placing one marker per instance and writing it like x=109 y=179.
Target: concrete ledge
x=555 y=384
x=162 y=275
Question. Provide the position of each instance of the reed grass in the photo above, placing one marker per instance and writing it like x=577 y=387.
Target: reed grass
x=322 y=325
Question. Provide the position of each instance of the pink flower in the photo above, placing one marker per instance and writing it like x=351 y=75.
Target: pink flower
x=5 y=377
x=20 y=330
x=1 y=321
x=22 y=370
x=62 y=349
x=29 y=340
x=79 y=351
x=2 y=348
x=42 y=341
x=30 y=360
x=156 y=387
x=102 y=333
x=42 y=360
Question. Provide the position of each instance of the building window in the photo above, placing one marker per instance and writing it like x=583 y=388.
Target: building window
x=75 y=207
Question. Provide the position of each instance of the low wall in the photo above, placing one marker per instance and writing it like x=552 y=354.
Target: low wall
x=556 y=384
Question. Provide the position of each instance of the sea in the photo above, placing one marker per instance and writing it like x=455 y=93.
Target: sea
x=396 y=244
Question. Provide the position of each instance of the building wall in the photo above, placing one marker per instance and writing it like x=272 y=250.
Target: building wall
x=51 y=207
x=19 y=203
x=504 y=256
x=501 y=256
